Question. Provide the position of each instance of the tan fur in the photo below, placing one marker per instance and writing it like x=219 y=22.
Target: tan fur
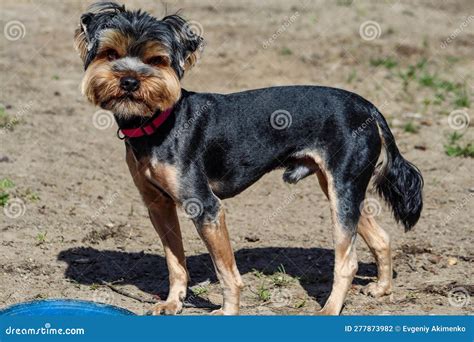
x=191 y=60
x=153 y=49
x=165 y=176
x=80 y=43
x=216 y=238
x=379 y=244
x=215 y=186
x=114 y=40
x=101 y=85
x=165 y=220
x=345 y=258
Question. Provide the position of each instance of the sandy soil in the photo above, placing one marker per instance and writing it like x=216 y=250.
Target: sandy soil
x=74 y=220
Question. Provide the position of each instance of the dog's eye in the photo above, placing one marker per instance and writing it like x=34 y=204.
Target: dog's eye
x=112 y=55
x=157 y=61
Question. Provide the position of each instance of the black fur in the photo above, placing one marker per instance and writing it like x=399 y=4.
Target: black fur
x=233 y=140
x=230 y=139
x=400 y=183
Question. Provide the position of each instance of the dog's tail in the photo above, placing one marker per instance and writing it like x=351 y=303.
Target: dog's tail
x=398 y=181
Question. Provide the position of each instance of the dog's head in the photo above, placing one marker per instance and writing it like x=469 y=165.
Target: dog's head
x=134 y=62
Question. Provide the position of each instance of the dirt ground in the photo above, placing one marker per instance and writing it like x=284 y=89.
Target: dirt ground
x=73 y=221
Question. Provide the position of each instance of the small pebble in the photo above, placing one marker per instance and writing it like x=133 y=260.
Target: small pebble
x=452 y=261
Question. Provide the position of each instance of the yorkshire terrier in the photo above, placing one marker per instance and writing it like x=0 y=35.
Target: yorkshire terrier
x=193 y=150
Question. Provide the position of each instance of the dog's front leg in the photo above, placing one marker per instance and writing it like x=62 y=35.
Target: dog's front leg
x=164 y=219
x=213 y=230
x=162 y=210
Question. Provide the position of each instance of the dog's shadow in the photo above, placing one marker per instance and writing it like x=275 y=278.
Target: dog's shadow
x=312 y=267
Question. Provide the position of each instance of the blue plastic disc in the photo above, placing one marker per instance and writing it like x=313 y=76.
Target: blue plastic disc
x=63 y=307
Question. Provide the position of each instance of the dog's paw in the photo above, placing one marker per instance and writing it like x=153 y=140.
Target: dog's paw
x=222 y=312
x=377 y=290
x=218 y=312
x=165 y=308
x=326 y=312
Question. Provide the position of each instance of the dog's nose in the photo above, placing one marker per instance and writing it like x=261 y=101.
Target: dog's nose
x=129 y=83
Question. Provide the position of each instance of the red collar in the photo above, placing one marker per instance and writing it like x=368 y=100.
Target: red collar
x=148 y=129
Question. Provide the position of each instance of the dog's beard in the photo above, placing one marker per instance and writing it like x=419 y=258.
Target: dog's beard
x=128 y=106
x=159 y=91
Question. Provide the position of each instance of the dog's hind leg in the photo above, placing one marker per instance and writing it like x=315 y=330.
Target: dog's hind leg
x=345 y=264
x=345 y=196
x=379 y=243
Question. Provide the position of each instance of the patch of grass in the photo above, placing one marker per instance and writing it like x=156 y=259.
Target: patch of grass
x=439 y=98
x=454 y=149
x=6 y=121
x=427 y=80
x=461 y=99
x=286 y=51
x=31 y=196
x=435 y=82
x=344 y=2
x=263 y=293
x=457 y=92
x=4 y=118
x=452 y=59
x=5 y=185
x=55 y=77
x=300 y=303
x=280 y=278
x=200 y=290
x=410 y=127
x=407 y=75
x=41 y=238
x=352 y=76
x=387 y=62
x=258 y=273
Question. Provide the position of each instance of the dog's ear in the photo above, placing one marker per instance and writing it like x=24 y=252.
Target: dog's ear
x=91 y=22
x=82 y=38
x=190 y=41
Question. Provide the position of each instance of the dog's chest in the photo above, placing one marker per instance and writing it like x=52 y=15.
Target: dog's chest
x=163 y=175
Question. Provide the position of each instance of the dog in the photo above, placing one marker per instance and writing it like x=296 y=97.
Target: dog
x=192 y=150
